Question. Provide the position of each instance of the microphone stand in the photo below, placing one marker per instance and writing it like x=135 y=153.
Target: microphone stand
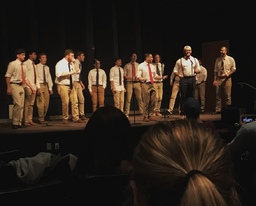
x=97 y=85
x=165 y=115
x=133 y=101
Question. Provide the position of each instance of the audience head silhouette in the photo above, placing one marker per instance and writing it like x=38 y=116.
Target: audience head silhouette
x=182 y=163
x=107 y=142
x=192 y=108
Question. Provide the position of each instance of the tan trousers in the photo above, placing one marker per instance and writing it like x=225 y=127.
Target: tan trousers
x=130 y=87
x=65 y=96
x=18 y=97
x=80 y=97
x=42 y=102
x=223 y=93
x=97 y=96
x=159 y=95
x=200 y=94
x=119 y=99
x=148 y=97
x=29 y=104
x=175 y=90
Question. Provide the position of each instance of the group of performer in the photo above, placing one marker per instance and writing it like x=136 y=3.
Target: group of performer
x=31 y=83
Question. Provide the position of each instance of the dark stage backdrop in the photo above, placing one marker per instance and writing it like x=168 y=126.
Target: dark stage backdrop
x=107 y=29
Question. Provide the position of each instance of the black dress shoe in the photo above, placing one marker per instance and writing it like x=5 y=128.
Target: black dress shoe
x=216 y=113
x=21 y=126
x=15 y=127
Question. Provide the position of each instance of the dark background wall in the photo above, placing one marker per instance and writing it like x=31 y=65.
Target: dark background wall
x=107 y=29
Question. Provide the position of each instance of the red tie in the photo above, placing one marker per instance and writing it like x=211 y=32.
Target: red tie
x=133 y=71
x=150 y=74
x=34 y=72
x=22 y=74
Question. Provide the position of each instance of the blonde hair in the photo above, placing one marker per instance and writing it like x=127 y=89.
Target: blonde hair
x=168 y=151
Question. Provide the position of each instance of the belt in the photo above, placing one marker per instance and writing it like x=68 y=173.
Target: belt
x=147 y=82
x=158 y=82
x=97 y=85
x=77 y=81
x=221 y=77
x=64 y=85
x=133 y=81
x=188 y=76
x=19 y=83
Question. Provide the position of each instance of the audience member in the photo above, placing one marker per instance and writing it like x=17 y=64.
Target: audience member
x=192 y=112
x=106 y=143
x=243 y=149
x=104 y=166
x=182 y=163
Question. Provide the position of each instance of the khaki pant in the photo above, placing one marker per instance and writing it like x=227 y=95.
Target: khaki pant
x=175 y=91
x=223 y=93
x=98 y=97
x=18 y=96
x=200 y=94
x=119 y=99
x=65 y=96
x=42 y=102
x=148 y=97
x=29 y=104
x=130 y=87
x=159 y=96
x=80 y=98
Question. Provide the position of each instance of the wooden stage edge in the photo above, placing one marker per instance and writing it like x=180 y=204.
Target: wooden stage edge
x=59 y=138
x=57 y=125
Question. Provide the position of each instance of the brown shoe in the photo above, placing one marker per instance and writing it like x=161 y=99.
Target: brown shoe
x=145 y=119
x=32 y=123
x=42 y=122
x=151 y=118
x=27 y=124
x=79 y=121
x=158 y=114
x=83 y=117
x=65 y=121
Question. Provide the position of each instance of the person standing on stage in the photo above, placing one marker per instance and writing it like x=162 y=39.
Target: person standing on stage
x=224 y=67
x=201 y=78
x=175 y=84
x=158 y=84
x=78 y=85
x=15 y=81
x=64 y=69
x=189 y=67
x=132 y=84
x=116 y=77
x=146 y=74
x=46 y=84
x=31 y=89
x=97 y=83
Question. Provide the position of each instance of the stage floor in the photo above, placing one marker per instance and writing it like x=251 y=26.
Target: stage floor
x=57 y=125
